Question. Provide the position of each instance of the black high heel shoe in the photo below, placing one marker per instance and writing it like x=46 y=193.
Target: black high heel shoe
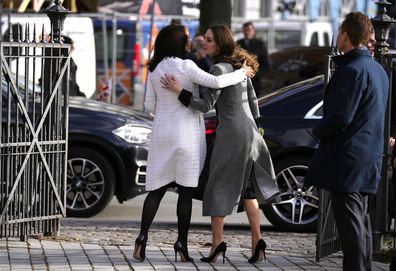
x=221 y=248
x=261 y=246
x=139 y=253
x=183 y=253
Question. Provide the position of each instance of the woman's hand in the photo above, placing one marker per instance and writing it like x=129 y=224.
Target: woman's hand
x=248 y=70
x=170 y=82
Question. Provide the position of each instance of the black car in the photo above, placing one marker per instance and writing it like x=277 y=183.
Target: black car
x=108 y=146
x=288 y=116
x=107 y=149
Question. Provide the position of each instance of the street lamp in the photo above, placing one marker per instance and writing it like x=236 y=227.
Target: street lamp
x=382 y=24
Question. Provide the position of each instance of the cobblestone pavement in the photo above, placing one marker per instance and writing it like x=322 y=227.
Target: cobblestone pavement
x=107 y=245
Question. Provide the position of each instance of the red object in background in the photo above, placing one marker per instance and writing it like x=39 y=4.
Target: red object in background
x=210 y=126
x=136 y=60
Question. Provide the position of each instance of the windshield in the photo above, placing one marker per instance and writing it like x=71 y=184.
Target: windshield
x=283 y=90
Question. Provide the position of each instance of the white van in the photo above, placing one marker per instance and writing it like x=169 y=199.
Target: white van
x=279 y=34
x=79 y=29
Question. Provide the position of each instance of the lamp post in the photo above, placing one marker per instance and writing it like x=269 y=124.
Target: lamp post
x=379 y=205
x=382 y=24
x=57 y=15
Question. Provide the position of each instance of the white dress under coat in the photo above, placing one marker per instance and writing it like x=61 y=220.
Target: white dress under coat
x=177 y=144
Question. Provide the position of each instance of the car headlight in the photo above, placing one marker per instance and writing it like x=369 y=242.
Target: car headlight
x=133 y=133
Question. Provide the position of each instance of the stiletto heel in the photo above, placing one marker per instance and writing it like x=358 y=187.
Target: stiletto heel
x=221 y=248
x=261 y=246
x=139 y=253
x=183 y=253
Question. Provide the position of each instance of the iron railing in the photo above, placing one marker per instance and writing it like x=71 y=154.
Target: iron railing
x=33 y=135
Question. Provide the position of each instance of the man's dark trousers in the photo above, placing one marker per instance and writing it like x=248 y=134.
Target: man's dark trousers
x=353 y=224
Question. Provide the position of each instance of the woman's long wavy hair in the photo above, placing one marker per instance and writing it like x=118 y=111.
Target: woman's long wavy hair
x=229 y=51
x=170 y=42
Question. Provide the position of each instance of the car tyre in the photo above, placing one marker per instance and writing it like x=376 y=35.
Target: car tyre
x=304 y=201
x=90 y=182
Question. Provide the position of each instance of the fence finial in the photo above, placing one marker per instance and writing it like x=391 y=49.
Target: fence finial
x=57 y=14
x=34 y=33
x=43 y=35
x=27 y=32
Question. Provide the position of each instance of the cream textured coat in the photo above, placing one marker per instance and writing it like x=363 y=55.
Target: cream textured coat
x=177 y=145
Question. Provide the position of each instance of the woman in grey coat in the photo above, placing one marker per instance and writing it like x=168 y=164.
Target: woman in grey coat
x=240 y=161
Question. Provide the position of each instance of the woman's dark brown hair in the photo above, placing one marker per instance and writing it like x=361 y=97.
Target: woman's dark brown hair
x=229 y=51
x=170 y=42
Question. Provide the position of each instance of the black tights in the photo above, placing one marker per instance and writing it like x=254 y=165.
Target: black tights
x=184 y=205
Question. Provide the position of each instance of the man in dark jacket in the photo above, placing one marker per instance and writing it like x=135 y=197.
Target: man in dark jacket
x=256 y=47
x=74 y=89
x=351 y=134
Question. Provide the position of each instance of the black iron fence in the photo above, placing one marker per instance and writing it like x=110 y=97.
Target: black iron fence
x=33 y=135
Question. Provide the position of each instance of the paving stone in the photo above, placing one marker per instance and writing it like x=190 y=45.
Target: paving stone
x=108 y=245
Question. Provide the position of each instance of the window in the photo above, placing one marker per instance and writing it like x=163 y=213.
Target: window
x=316 y=112
x=121 y=40
x=287 y=38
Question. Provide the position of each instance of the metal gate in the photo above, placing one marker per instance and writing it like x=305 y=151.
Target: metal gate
x=33 y=135
x=327 y=240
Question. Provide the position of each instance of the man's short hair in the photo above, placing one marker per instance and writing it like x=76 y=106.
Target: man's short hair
x=248 y=24
x=358 y=27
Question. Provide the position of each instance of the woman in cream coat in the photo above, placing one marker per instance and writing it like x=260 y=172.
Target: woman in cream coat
x=177 y=144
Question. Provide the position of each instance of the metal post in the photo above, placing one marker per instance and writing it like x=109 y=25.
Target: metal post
x=114 y=62
x=57 y=14
x=105 y=48
x=379 y=204
x=150 y=40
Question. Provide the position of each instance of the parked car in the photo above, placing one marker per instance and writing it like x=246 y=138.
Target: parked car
x=107 y=149
x=288 y=116
x=108 y=146
x=295 y=64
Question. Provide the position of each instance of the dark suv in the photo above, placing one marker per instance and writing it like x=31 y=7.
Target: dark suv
x=108 y=146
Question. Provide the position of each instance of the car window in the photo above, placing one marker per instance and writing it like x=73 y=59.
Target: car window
x=287 y=38
x=315 y=112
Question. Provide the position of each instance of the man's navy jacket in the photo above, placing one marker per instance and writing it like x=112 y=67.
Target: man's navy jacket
x=351 y=132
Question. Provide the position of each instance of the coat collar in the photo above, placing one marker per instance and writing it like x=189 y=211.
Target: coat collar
x=342 y=60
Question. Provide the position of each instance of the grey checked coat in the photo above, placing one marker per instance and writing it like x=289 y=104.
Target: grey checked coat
x=239 y=148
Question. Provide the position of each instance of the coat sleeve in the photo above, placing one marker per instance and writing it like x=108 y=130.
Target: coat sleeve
x=252 y=100
x=342 y=101
x=208 y=96
x=203 y=78
x=150 y=99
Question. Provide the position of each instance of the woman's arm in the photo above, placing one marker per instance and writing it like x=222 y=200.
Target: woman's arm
x=203 y=78
x=204 y=104
x=150 y=99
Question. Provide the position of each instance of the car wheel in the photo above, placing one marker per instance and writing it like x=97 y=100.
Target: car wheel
x=90 y=182
x=297 y=207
